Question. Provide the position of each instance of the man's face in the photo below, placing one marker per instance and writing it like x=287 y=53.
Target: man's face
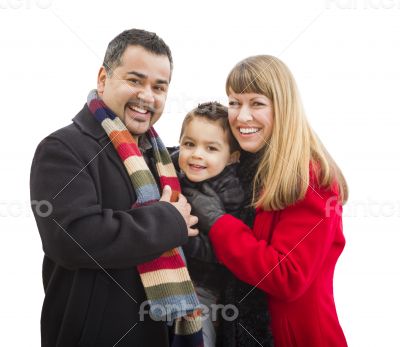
x=137 y=89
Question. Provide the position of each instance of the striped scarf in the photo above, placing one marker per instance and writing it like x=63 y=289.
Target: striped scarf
x=166 y=280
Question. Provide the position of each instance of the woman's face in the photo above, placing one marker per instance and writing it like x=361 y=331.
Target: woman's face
x=251 y=117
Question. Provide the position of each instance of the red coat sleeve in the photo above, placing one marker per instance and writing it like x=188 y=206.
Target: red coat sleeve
x=300 y=242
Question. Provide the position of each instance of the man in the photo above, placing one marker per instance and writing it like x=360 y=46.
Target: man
x=93 y=239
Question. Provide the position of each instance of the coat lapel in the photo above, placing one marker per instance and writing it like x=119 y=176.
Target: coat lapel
x=88 y=125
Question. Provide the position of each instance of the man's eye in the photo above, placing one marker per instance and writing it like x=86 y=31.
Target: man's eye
x=160 y=88
x=134 y=81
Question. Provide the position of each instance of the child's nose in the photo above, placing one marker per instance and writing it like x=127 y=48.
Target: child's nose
x=198 y=152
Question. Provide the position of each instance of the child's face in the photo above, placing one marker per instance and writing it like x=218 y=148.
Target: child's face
x=204 y=150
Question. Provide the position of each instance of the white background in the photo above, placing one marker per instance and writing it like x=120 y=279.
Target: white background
x=345 y=56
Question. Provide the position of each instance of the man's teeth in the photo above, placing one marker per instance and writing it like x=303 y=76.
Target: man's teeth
x=138 y=109
x=248 y=130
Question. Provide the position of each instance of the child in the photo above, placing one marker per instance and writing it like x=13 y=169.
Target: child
x=208 y=155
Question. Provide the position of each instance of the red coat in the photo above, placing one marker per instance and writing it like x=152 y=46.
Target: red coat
x=291 y=255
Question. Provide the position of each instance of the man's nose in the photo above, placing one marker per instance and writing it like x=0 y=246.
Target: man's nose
x=146 y=95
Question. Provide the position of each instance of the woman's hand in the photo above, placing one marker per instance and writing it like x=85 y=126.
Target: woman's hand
x=206 y=205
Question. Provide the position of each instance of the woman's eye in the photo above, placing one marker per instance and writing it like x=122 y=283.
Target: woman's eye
x=233 y=103
x=256 y=103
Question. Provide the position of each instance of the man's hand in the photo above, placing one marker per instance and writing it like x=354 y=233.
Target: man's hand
x=206 y=205
x=184 y=209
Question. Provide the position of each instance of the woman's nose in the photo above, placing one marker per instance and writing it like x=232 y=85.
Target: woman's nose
x=244 y=115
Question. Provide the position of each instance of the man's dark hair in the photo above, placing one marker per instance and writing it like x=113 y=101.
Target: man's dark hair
x=134 y=37
x=216 y=113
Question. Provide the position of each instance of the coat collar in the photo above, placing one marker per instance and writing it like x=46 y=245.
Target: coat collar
x=86 y=122
x=90 y=126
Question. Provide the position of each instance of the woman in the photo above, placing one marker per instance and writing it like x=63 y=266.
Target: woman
x=298 y=191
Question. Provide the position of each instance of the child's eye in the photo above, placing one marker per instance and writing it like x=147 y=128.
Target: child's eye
x=188 y=144
x=211 y=148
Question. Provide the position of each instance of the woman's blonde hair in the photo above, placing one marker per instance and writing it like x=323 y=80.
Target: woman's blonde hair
x=283 y=174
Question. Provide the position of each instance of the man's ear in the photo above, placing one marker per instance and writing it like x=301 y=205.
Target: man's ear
x=101 y=80
x=234 y=157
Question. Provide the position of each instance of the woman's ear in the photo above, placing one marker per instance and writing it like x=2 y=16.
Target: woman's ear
x=234 y=157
